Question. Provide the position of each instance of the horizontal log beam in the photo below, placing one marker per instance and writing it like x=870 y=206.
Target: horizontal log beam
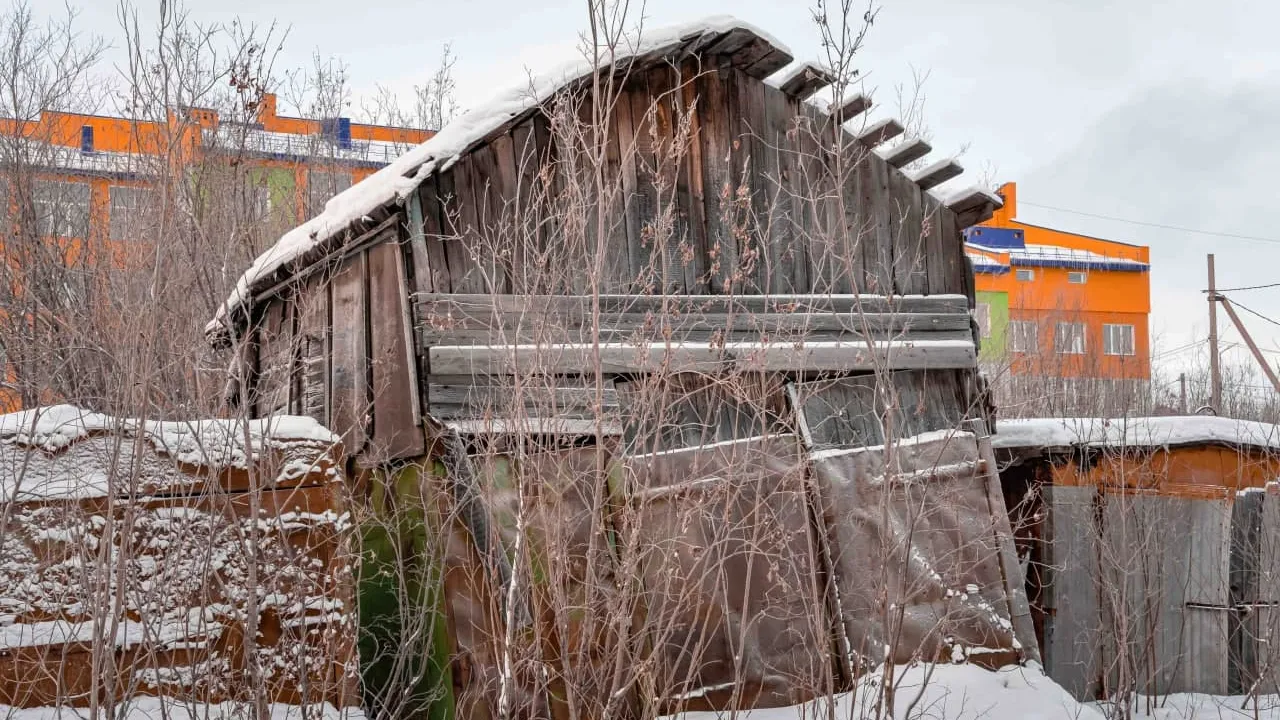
x=880 y=133
x=805 y=80
x=937 y=173
x=486 y=319
x=851 y=107
x=686 y=304
x=907 y=153
x=622 y=358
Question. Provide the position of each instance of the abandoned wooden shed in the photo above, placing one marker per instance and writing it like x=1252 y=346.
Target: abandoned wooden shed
x=674 y=276
x=1148 y=533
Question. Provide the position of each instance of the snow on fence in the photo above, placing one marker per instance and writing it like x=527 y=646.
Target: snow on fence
x=202 y=561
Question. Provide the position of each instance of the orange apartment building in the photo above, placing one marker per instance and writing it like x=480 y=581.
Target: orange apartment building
x=88 y=179
x=96 y=169
x=1054 y=304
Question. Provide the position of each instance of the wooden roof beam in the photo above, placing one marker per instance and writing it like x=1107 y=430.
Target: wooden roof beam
x=851 y=107
x=973 y=205
x=937 y=173
x=907 y=153
x=880 y=133
x=759 y=58
x=805 y=80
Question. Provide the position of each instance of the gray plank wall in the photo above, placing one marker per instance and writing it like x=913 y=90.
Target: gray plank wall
x=739 y=173
x=1138 y=593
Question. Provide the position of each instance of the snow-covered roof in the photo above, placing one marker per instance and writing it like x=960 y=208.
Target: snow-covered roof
x=294 y=145
x=65 y=451
x=1033 y=255
x=985 y=263
x=395 y=181
x=1144 y=432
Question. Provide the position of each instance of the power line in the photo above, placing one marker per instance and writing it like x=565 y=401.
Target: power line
x=1255 y=313
x=1174 y=351
x=1160 y=226
x=1247 y=287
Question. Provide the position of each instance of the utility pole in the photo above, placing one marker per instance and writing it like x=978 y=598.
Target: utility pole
x=1215 y=378
x=1182 y=391
x=1248 y=340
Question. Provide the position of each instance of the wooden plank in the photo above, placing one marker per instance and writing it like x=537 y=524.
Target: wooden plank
x=689 y=183
x=642 y=208
x=1015 y=584
x=937 y=173
x=685 y=304
x=825 y=233
x=672 y=211
x=417 y=243
x=640 y=327
x=906 y=153
x=313 y=347
x=396 y=432
x=506 y=225
x=837 y=189
x=959 y=272
x=805 y=80
x=757 y=262
x=935 y=267
x=880 y=132
x=730 y=43
x=275 y=358
x=349 y=379
x=458 y=258
x=970 y=199
x=756 y=52
x=1073 y=638
x=525 y=213
x=820 y=356
x=457 y=397
x=487 y=241
x=720 y=167
x=463 y=226
x=851 y=107
x=624 y=128
x=771 y=63
x=909 y=272
x=434 y=234
x=875 y=173
x=784 y=209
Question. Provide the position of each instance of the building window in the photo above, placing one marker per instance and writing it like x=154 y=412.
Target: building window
x=129 y=209
x=1077 y=278
x=62 y=208
x=1025 y=275
x=1118 y=340
x=1023 y=336
x=1068 y=339
x=322 y=185
x=982 y=314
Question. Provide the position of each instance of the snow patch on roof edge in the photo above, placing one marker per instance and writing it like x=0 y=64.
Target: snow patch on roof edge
x=1134 y=432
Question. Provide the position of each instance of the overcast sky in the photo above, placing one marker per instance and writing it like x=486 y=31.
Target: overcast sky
x=1155 y=111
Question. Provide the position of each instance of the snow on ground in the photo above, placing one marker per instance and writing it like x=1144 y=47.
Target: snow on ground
x=1196 y=706
x=1134 y=432
x=153 y=708
x=944 y=692
x=968 y=692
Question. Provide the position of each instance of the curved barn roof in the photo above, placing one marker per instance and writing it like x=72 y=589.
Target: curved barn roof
x=394 y=182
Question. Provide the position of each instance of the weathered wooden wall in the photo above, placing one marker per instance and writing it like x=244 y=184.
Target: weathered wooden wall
x=713 y=183
x=1154 y=566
